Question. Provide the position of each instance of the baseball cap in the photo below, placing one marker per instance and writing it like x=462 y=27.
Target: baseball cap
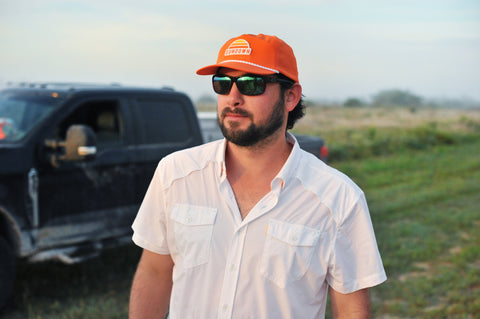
x=258 y=54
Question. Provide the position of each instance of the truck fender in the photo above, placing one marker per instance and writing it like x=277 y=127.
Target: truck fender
x=9 y=229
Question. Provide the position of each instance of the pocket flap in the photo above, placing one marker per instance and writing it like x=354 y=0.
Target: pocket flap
x=193 y=215
x=293 y=234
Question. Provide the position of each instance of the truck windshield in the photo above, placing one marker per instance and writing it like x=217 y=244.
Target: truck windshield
x=20 y=112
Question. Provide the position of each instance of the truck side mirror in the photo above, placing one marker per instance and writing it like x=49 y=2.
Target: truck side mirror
x=80 y=143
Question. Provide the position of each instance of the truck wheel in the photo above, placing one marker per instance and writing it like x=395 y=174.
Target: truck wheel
x=7 y=271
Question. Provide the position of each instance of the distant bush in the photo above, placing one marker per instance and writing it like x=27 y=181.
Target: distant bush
x=353 y=102
x=396 y=97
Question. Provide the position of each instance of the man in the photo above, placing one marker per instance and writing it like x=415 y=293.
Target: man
x=252 y=226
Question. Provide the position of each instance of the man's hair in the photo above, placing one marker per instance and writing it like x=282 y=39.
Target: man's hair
x=299 y=111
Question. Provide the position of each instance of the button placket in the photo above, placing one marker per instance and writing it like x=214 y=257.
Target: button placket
x=229 y=197
x=232 y=272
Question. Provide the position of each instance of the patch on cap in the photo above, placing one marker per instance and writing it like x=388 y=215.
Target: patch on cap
x=238 y=47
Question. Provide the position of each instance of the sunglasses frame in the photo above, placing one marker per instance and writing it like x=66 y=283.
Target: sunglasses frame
x=260 y=82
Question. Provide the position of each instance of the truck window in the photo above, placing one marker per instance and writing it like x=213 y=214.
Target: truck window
x=164 y=121
x=21 y=111
x=103 y=116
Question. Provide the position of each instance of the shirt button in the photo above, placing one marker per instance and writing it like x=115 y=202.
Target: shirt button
x=225 y=307
x=189 y=219
x=233 y=267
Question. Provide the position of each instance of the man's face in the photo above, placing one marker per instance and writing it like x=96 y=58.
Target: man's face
x=248 y=120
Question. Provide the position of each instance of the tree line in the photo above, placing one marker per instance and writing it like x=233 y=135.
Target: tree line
x=405 y=98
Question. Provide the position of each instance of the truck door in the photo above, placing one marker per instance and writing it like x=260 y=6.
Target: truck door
x=91 y=199
x=166 y=124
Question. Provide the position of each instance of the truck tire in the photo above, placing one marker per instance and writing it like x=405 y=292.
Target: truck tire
x=7 y=271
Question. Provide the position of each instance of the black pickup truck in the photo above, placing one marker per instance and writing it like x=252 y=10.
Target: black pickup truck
x=75 y=163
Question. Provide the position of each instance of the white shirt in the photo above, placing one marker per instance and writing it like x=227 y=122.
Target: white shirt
x=312 y=230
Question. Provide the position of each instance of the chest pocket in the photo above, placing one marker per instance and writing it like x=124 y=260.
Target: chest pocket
x=193 y=228
x=287 y=252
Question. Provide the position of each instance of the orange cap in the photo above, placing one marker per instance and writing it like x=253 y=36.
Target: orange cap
x=258 y=54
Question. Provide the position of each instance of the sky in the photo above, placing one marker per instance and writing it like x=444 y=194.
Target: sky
x=344 y=48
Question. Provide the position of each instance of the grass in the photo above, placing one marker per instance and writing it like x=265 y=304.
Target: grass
x=425 y=209
x=424 y=203
x=98 y=288
x=422 y=182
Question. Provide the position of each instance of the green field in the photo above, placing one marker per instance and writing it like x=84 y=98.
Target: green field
x=421 y=175
x=426 y=213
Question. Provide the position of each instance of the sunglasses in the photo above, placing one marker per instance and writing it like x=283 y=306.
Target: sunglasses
x=246 y=84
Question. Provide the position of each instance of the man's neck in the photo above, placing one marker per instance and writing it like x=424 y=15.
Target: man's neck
x=258 y=159
x=250 y=170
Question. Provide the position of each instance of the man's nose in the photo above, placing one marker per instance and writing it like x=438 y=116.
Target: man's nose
x=234 y=98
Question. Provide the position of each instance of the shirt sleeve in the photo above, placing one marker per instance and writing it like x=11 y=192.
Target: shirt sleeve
x=149 y=226
x=356 y=261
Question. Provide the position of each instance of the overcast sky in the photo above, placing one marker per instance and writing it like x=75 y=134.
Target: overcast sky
x=344 y=48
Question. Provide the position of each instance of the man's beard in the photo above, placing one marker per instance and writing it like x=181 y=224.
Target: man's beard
x=254 y=133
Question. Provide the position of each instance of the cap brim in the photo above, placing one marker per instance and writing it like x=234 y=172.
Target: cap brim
x=240 y=66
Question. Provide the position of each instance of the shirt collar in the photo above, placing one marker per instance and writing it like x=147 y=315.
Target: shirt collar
x=220 y=158
x=286 y=173
x=289 y=168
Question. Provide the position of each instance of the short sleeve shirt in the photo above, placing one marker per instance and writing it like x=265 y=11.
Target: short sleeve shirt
x=311 y=231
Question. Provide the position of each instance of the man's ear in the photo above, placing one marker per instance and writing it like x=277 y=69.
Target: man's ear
x=293 y=96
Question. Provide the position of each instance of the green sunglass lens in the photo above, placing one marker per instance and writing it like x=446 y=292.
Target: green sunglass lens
x=250 y=85
x=222 y=84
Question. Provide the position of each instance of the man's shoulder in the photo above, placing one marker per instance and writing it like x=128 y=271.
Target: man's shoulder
x=203 y=151
x=313 y=171
x=332 y=187
x=183 y=162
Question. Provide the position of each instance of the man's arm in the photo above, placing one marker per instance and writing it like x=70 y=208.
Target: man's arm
x=151 y=287
x=354 y=305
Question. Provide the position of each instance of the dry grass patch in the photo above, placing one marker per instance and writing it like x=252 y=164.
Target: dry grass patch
x=323 y=119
